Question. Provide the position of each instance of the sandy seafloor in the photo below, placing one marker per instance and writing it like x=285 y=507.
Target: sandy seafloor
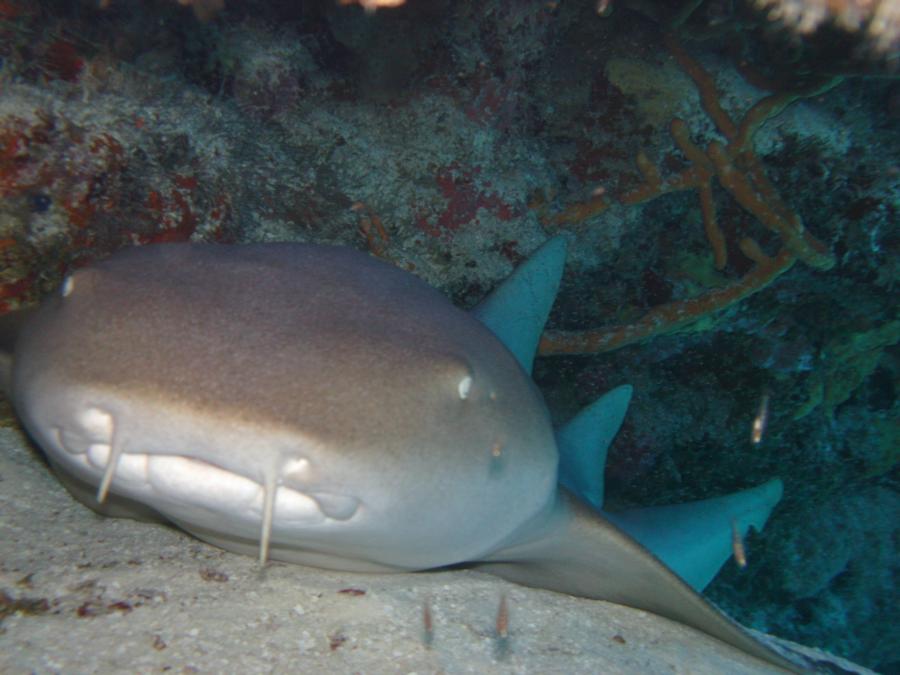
x=124 y=596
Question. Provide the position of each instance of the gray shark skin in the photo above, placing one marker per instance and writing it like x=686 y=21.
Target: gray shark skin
x=314 y=405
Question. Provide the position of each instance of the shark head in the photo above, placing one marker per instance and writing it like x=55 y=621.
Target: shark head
x=307 y=400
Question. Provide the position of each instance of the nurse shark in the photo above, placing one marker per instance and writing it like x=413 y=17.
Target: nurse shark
x=315 y=405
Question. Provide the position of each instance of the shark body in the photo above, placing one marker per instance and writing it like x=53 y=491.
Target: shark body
x=314 y=405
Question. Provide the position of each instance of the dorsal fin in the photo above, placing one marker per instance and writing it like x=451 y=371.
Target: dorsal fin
x=695 y=539
x=583 y=443
x=517 y=310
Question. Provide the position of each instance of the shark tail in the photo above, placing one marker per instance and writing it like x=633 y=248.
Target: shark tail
x=575 y=550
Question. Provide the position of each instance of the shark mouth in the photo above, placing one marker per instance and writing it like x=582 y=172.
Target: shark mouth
x=182 y=482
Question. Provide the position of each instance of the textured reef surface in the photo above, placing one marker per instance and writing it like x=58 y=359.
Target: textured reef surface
x=729 y=192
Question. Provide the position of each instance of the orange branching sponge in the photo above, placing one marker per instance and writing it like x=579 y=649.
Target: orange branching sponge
x=669 y=317
x=737 y=169
x=576 y=214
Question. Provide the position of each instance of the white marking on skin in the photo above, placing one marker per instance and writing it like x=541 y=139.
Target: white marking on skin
x=97 y=422
x=296 y=469
x=98 y=455
x=68 y=286
x=465 y=387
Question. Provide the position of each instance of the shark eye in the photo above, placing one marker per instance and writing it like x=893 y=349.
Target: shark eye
x=465 y=387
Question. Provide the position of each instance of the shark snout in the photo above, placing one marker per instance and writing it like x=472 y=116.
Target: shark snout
x=108 y=449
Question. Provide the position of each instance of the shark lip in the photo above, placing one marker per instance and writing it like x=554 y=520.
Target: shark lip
x=190 y=481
